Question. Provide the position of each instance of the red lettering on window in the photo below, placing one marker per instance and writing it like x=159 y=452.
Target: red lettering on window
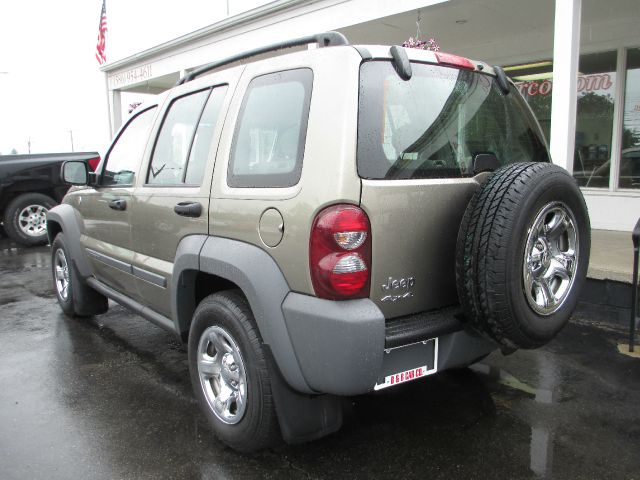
x=545 y=87
x=522 y=87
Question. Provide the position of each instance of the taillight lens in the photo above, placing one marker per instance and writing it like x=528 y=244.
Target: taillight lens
x=340 y=253
x=93 y=163
x=454 y=61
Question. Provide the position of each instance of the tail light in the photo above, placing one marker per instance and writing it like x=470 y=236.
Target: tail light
x=340 y=253
x=93 y=163
x=451 y=60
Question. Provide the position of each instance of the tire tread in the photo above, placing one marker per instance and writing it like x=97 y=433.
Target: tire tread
x=266 y=430
x=12 y=230
x=481 y=260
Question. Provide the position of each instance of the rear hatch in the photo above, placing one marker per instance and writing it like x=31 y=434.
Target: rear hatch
x=417 y=142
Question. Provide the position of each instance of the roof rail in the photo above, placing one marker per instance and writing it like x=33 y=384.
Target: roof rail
x=326 y=39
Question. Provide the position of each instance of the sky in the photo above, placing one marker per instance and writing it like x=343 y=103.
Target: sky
x=51 y=89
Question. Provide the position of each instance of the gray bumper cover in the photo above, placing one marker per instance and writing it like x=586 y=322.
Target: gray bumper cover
x=340 y=346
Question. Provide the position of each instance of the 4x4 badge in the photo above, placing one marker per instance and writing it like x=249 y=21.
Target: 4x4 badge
x=399 y=289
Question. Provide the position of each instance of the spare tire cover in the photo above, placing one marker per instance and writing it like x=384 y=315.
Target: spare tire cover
x=522 y=254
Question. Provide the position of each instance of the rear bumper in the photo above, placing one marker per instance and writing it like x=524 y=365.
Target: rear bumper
x=343 y=347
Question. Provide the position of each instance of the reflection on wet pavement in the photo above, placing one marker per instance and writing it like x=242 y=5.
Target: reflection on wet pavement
x=109 y=397
x=541 y=449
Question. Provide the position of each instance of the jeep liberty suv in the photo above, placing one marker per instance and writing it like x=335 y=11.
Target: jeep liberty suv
x=325 y=223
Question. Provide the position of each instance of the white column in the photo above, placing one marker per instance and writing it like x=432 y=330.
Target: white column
x=566 y=53
x=116 y=110
x=108 y=99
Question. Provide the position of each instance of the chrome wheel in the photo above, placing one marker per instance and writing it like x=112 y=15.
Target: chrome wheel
x=550 y=258
x=222 y=374
x=32 y=220
x=61 y=268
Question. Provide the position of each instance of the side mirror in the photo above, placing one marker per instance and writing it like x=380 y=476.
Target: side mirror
x=75 y=172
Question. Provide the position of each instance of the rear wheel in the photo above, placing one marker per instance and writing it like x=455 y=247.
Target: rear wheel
x=229 y=372
x=522 y=254
x=25 y=220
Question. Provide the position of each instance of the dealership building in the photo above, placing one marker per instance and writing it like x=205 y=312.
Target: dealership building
x=576 y=62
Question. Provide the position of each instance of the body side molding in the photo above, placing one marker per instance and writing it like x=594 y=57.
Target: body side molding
x=154 y=317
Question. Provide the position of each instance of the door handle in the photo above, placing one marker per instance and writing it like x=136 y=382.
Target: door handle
x=118 y=204
x=188 y=209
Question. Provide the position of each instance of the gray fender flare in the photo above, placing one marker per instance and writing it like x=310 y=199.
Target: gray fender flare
x=256 y=274
x=69 y=221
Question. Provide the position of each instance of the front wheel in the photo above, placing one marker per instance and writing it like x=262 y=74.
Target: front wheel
x=229 y=372
x=76 y=298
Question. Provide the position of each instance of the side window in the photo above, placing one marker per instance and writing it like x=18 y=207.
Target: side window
x=268 y=143
x=125 y=155
x=169 y=158
x=204 y=134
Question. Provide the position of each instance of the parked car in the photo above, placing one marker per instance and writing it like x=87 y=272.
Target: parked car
x=599 y=176
x=326 y=223
x=29 y=186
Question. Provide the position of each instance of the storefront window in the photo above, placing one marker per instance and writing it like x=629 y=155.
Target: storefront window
x=535 y=83
x=594 y=122
x=630 y=154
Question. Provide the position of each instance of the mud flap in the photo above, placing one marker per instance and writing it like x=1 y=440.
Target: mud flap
x=302 y=417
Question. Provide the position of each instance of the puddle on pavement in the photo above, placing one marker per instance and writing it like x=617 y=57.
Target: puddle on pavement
x=542 y=432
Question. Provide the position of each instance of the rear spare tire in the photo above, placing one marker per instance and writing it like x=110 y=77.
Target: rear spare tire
x=522 y=254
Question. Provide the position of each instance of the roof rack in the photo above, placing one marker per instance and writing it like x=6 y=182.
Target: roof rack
x=326 y=39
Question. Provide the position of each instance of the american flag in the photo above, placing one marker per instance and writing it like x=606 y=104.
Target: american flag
x=101 y=55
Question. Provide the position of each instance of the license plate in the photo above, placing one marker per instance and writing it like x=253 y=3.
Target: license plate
x=399 y=364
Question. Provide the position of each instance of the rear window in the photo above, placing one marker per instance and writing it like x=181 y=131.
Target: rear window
x=435 y=124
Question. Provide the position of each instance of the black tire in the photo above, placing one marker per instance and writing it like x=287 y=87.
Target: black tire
x=78 y=299
x=24 y=220
x=228 y=313
x=511 y=300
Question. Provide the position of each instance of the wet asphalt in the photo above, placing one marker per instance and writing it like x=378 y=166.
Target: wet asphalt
x=110 y=398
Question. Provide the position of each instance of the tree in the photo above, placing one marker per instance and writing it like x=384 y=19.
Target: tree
x=630 y=138
x=595 y=105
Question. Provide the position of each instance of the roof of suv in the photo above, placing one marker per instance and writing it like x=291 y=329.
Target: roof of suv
x=336 y=39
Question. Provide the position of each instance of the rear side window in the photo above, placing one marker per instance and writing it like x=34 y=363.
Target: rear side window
x=434 y=125
x=268 y=143
x=125 y=156
x=182 y=146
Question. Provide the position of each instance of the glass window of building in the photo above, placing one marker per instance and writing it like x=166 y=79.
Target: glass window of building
x=594 y=121
x=535 y=83
x=629 y=174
